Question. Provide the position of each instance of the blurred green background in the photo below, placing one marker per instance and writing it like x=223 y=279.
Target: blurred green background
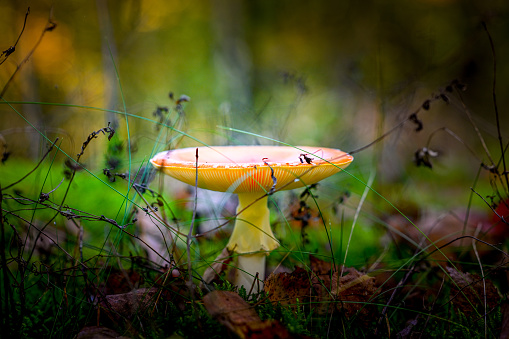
x=322 y=73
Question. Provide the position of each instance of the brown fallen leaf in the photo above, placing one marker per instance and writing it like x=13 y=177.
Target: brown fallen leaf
x=98 y=332
x=320 y=267
x=348 y=293
x=321 y=284
x=467 y=293
x=122 y=281
x=352 y=280
x=289 y=289
x=352 y=292
x=127 y=305
x=239 y=317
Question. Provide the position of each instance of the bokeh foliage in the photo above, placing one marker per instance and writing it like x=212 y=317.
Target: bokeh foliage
x=327 y=73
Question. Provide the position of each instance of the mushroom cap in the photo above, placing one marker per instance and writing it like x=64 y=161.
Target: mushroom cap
x=242 y=169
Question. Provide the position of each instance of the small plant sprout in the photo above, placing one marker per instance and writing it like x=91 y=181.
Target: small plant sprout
x=253 y=173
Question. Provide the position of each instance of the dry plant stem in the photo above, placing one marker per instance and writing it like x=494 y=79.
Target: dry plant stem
x=474 y=246
x=80 y=240
x=495 y=105
x=246 y=265
x=357 y=212
x=432 y=307
x=469 y=204
x=257 y=281
x=189 y=268
x=156 y=216
x=44 y=227
x=12 y=49
x=460 y=292
x=85 y=144
x=162 y=220
x=49 y=27
x=413 y=117
x=464 y=237
x=6 y=297
x=71 y=215
x=396 y=290
x=38 y=164
x=491 y=207
x=380 y=138
x=479 y=135
x=40 y=232
x=455 y=136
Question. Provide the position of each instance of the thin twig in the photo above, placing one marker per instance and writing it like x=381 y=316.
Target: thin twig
x=274 y=179
x=255 y=280
x=457 y=137
x=48 y=28
x=495 y=105
x=189 y=268
x=356 y=216
x=38 y=164
x=6 y=298
x=69 y=214
x=491 y=207
x=479 y=135
x=11 y=49
x=432 y=307
x=383 y=136
x=474 y=246
x=157 y=216
x=413 y=117
x=41 y=232
x=394 y=292
x=464 y=237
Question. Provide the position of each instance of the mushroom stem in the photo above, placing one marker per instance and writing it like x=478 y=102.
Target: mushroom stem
x=247 y=267
x=252 y=238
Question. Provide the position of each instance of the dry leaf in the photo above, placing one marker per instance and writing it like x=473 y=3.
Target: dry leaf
x=353 y=291
x=349 y=282
x=348 y=293
x=320 y=267
x=286 y=288
x=239 y=317
x=98 y=332
x=126 y=305
x=122 y=281
x=467 y=292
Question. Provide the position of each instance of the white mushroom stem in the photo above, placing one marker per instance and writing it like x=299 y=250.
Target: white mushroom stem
x=247 y=267
x=252 y=239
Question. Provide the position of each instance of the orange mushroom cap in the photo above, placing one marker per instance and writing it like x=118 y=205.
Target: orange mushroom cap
x=243 y=169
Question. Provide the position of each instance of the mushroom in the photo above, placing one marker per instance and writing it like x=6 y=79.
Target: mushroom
x=253 y=173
